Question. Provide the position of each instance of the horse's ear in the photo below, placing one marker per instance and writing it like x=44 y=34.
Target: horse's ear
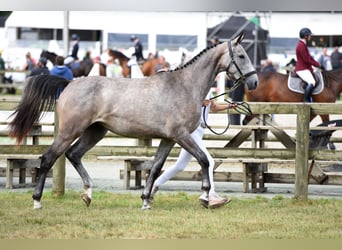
x=238 y=39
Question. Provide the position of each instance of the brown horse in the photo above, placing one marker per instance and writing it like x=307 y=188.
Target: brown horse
x=147 y=68
x=82 y=69
x=273 y=88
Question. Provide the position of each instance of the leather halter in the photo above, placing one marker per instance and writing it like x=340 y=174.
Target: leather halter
x=232 y=62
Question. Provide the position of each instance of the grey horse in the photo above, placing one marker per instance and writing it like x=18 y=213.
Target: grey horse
x=166 y=106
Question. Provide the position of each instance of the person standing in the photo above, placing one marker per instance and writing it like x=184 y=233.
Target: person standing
x=30 y=63
x=336 y=58
x=61 y=70
x=324 y=59
x=2 y=68
x=305 y=62
x=268 y=66
x=138 y=49
x=211 y=200
x=2 y=61
x=41 y=69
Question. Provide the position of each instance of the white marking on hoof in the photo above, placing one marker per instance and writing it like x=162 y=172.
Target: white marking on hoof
x=146 y=205
x=37 y=205
x=89 y=192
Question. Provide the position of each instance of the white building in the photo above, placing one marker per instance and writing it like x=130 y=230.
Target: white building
x=162 y=31
x=170 y=33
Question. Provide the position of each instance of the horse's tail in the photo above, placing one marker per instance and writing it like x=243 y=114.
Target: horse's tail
x=39 y=96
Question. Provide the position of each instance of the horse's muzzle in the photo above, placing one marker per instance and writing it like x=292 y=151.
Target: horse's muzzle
x=252 y=82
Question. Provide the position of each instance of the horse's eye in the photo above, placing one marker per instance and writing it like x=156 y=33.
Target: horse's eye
x=242 y=56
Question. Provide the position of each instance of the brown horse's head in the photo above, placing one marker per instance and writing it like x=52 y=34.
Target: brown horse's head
x=123 y=60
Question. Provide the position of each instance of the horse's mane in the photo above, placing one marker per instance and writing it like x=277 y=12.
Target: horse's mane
x=195 y=57
x=46 y=52
x=118 y=54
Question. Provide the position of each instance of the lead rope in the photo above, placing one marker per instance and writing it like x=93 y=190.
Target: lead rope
x=242 y=108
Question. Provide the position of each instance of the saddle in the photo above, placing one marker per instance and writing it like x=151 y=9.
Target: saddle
x=296 y=84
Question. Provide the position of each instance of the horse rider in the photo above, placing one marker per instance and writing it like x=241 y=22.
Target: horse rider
x=305 y=62
x=138 y=49
x=75 y=39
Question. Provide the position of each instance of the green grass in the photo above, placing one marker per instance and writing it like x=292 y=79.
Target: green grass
x=173 y=216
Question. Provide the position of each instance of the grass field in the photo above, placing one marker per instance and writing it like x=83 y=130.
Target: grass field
x=173 y=216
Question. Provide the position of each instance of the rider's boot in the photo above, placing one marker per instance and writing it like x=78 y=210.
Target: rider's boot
x=308 y=92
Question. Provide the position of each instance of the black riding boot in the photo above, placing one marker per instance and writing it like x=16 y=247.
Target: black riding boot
x=307 y=93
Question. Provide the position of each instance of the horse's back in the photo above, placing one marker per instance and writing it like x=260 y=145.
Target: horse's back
x=272 y=88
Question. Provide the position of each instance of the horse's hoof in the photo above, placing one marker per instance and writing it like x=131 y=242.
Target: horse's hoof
x=86 y=199
x=37 y=205
x=146 y=205
x=331 y=146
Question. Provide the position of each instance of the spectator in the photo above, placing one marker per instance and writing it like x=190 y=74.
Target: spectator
x=160 y=64
x=41 y=69
x=2 y=61
x=30 y=63
x=61 y=70
x=213 y=41
x=336 y=58
x=138 y=49
x=2 y=67
x=324 y=59
x=268 y=66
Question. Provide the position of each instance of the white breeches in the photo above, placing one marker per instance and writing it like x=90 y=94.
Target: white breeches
x=306 y=76
x=183 y=160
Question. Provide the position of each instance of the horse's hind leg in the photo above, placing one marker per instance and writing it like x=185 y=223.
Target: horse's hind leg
x=47 y=161
x=164 y=149
x=89 y=138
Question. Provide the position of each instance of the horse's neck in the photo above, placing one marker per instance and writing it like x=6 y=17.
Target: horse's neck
x=201 y=73
x=333 y=80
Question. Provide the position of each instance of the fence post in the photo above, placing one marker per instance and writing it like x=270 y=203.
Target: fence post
x=58 y=183
x=302 y=151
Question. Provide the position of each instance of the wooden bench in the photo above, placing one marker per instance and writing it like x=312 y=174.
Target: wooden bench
x=25 y=165
x=139 y=166
x=253 y=172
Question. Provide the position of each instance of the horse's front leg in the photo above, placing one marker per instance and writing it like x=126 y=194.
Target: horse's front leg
x=163 y=151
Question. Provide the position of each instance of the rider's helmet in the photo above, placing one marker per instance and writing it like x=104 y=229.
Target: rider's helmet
x=133 y=37
x=305 y=32
x=74 y=37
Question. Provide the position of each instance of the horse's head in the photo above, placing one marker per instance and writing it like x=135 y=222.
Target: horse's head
x=238 y=66
x=118 y=55
x=49 y=55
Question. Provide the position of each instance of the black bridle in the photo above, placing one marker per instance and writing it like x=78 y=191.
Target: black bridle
x=233 y=62
x=242 y=107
